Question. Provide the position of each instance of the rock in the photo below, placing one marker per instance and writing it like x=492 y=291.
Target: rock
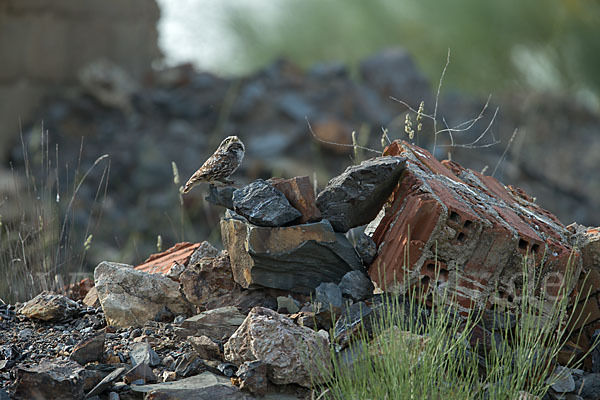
x=140 y=371
x=55 y=379
x=263 y=205
x=589 y=386
x=25 y=334
x=106 y=382
x=227 y=369
x=221 y=196
x=142 y=353
x=287 y=305
x=89 y=350
x=205 y=386
x=467 y=233
x=130 y=297
x=48 y=306
x=204 y=250
x=282 y=345
x=296 y=258
x=562 y=380
x=215 y=324
x=356 y=285
x=328 y=297
x=301 y=196
x=366 y=249
x=352 y=321
x=209 y=282
x=91 y=298
x=205 y=347
x=188 y=364
x=253 y=377
x=355 y=197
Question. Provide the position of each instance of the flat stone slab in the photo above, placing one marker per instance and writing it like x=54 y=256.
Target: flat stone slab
x=296 y=258
x=205 y=386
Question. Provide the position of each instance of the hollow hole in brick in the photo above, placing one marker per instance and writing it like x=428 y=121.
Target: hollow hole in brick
x=501 y=293
x=444 y=274
x=430 y=267
x=523 y=244
x=468 y=223
x=425 y=280
x=535 y=248
x=454 y=216
x=510 y=298
x=461 y=237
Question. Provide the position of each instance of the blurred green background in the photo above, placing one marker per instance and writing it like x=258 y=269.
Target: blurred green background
x=548 y=45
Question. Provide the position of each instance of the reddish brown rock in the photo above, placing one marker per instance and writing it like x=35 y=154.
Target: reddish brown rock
x=89 y=350
x=301 y=196
x=208 y=281
x=162 y=262
x=468 y=230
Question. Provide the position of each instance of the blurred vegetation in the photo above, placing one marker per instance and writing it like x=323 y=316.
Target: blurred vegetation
x=496 y=45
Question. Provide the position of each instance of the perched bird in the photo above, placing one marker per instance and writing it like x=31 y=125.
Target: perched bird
x=224 y=161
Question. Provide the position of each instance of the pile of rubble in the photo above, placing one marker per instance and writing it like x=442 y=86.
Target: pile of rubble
x=196 y=322
x=181 y=115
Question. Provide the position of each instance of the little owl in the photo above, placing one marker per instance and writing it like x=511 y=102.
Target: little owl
x=224 y=161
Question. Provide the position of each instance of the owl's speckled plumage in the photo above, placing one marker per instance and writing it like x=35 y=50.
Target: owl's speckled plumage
x=224 y=161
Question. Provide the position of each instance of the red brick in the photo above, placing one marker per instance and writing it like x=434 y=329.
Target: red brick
x=480 y=230
x=162 y=262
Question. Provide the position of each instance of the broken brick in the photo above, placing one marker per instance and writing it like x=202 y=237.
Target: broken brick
x=470 y=231
x=162 y=262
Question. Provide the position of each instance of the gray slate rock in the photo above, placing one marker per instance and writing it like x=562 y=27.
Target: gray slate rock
x=263 y=205
x=205 y=386
x=356 y=285
x=253 y=377
x=143 y=353
x=296 y=258
x=61 y=380
x=564 y=382
x=106 y=382
x=351 y=320
x=355 y=197
x=329 y=296
x=221 y=196
x=366 y=249
x=591 y=386
x=287 y=305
